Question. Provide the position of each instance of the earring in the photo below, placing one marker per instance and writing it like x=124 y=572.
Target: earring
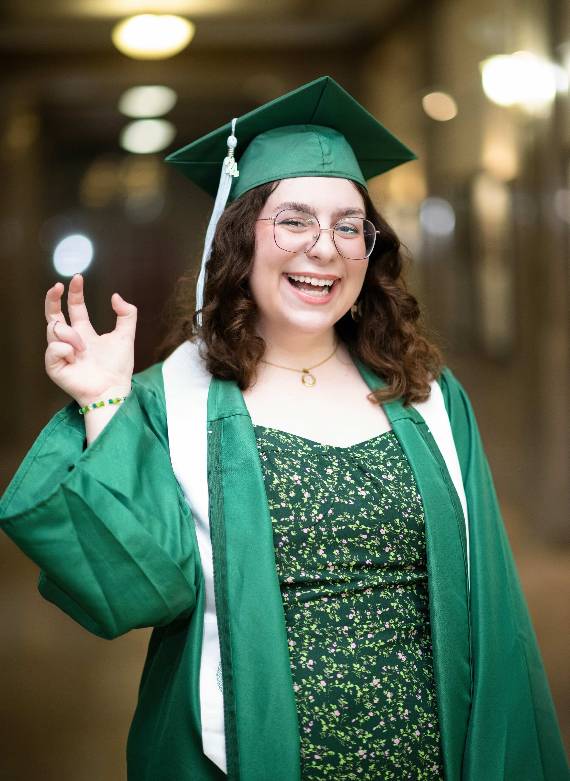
x=355 y=311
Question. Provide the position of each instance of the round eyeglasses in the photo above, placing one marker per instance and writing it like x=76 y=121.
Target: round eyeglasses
x=297 y=231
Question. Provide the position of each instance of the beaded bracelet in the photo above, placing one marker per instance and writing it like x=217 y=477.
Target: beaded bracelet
x=95 y=404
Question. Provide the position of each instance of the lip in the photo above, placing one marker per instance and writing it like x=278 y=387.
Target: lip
x=308 y=299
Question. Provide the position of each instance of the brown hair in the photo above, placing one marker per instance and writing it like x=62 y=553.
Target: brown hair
x=389 y=337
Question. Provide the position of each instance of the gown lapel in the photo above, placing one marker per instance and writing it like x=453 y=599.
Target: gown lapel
x=262 y=732
x=447 y=575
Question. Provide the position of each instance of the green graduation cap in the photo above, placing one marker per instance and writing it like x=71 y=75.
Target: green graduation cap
x=318 y=129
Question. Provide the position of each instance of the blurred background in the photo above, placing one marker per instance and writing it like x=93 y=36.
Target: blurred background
x=478 y=88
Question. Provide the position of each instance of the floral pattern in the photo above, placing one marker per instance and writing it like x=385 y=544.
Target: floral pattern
x=349 y=538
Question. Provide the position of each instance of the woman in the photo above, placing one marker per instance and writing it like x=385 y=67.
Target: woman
x=296 y=499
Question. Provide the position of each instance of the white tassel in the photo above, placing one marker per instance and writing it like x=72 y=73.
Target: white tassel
x=229 y=171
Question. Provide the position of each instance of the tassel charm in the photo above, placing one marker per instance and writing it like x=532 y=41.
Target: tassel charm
x=230 y=163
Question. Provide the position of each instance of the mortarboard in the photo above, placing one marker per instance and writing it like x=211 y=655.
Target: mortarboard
x=318 y=129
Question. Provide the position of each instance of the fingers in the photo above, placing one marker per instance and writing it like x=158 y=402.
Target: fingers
x=53 y=303
x=76 y=302
x=126 y=315
x=59 y=331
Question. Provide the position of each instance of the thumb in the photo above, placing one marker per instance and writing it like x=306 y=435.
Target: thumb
x=126 y=315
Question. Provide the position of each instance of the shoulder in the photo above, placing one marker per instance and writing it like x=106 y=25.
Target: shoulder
x=457 y=402
x=466 y=434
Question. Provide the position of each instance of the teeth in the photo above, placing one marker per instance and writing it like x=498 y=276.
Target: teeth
x=312 y=280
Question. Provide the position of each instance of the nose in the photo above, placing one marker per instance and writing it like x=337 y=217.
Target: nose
x=323 y=248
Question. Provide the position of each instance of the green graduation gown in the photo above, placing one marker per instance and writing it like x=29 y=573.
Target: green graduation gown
x=112 y=532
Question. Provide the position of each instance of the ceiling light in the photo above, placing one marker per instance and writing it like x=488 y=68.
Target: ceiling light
x=152 y=36
x=147 y=101
x=144 y=136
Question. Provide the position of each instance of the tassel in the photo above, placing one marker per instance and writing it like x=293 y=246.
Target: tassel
x=229 y=171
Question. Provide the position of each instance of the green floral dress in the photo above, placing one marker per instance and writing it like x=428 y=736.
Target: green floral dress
x=348 y=529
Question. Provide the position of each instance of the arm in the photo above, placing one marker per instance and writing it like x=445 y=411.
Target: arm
x=108 y=524
x=513 y=730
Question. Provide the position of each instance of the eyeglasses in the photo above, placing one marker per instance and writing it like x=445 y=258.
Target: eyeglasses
x=296 y=231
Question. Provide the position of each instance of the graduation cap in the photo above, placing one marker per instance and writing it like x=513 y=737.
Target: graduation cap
x=318 y=129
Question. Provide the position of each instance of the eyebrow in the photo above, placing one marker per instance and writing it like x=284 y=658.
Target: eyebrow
x=304 y=207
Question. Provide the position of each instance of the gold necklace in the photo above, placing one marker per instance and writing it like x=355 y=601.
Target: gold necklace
x=307 y=378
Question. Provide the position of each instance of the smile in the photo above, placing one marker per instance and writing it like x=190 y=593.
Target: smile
x=315 y=287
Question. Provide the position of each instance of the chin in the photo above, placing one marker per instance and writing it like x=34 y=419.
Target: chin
x=309 y=323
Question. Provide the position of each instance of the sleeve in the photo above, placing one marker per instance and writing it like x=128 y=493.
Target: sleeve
x=513 y=729
x=108 y=525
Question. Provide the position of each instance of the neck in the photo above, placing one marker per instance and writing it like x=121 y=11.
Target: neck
x=299 y=350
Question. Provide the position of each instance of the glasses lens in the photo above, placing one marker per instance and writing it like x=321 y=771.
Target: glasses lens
x=354 y=237
x=295 y=231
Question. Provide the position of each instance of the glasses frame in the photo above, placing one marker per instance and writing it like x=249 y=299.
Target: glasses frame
x=318 y=236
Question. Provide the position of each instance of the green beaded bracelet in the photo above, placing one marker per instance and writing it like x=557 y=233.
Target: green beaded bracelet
x=96 y=404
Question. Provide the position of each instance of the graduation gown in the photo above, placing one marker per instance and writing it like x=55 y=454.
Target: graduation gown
x=120 y=540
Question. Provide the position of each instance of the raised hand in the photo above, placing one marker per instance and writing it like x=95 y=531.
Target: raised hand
x=84 y=364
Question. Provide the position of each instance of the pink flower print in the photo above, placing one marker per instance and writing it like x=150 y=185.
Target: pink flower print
x=353 y=645
x=336 y=713
x=361 y=752
x=376 y=682
x=395 y=741
x=417 y=732
x=321 y=551
x=323 y=683
x=401 y=656
x=305 y=531
x=310 y=662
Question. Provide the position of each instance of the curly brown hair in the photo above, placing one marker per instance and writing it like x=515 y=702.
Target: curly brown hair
x=389 y=336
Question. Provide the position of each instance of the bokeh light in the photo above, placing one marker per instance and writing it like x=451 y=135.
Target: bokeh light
x=144 y=136
x=152 y=36
x=439 y=106
x=437 y=216
x=72 y=255
x=147 y=101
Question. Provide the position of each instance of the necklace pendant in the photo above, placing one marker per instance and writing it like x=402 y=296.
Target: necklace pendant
x=308 y=379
